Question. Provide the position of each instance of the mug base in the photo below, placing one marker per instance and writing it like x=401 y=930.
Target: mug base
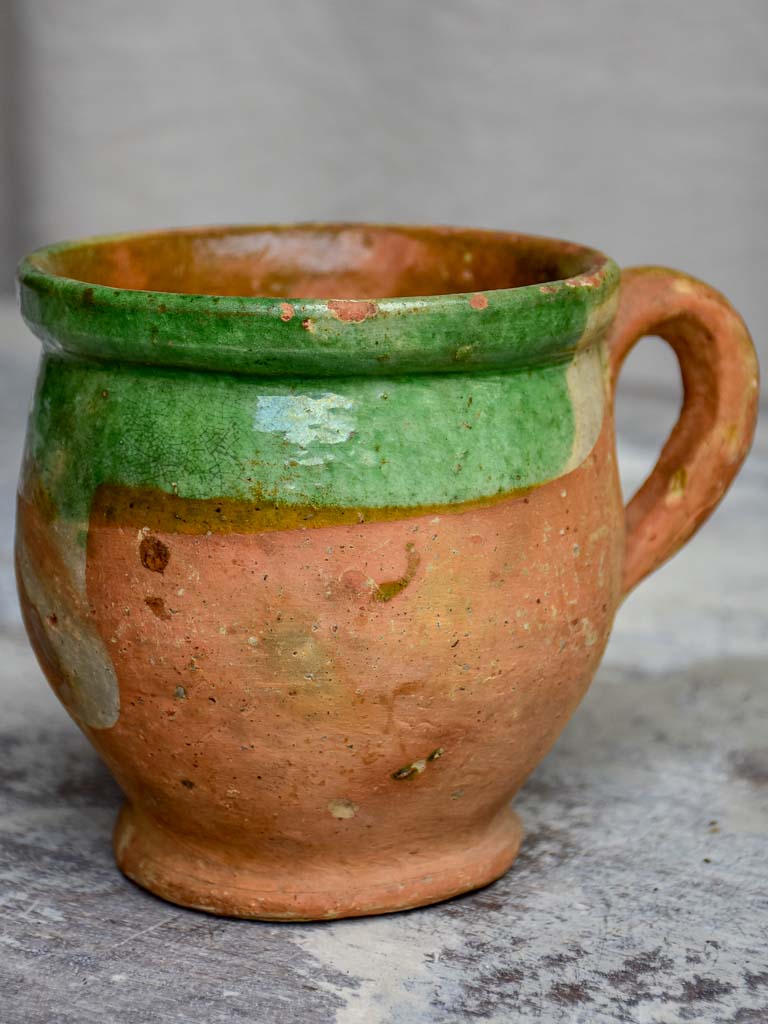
x=180 y=871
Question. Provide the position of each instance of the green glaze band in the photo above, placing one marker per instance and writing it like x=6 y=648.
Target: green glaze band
x=493 y=330
x=401 y=402
x=345 y=443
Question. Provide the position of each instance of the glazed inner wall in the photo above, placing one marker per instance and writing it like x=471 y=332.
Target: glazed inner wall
x=345 y=261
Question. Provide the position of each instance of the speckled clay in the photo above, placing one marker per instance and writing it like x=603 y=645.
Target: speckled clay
x=320 y=536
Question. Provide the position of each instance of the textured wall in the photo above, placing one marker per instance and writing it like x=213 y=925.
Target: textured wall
x=640 y=128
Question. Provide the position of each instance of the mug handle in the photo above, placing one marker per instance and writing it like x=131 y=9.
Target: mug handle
x=714 y=431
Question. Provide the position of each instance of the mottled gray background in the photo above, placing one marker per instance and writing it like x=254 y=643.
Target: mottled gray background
x=641 y=128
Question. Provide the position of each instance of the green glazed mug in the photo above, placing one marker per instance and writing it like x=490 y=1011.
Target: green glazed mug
x=320 y=536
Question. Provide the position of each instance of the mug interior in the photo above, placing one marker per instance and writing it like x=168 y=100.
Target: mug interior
x=319 y=261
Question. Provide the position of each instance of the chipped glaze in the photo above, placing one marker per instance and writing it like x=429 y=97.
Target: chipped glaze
x=320 y=536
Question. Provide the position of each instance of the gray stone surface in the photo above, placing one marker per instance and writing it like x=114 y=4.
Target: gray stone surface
x=640 y=896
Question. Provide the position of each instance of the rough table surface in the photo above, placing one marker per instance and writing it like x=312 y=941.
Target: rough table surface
x=641 y=894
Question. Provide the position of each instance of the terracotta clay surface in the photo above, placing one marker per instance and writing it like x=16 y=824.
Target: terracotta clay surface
x=322 y=630
x=383 y=688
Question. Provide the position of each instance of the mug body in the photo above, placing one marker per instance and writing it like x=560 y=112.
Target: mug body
x=319 y=541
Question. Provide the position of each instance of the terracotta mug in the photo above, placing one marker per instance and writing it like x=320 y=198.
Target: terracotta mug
x=320 y=536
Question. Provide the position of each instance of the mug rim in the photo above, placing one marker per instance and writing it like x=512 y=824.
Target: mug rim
x=520 y=326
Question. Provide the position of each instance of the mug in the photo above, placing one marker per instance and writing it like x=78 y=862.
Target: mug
x=320 y=536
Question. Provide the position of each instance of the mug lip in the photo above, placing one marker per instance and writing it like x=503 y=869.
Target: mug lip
x=257 y=334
